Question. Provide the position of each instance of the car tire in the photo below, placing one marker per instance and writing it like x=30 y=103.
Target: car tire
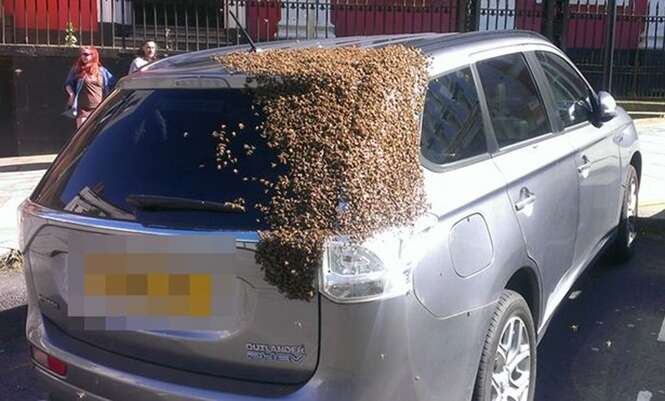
x=509 y=350
x=624 y=243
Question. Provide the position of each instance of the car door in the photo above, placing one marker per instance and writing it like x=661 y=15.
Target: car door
x=537 y=164
x=475 y=225
x=597 y=154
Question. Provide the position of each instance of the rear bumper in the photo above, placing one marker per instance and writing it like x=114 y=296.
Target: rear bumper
x=397 y=351
x=60 y=390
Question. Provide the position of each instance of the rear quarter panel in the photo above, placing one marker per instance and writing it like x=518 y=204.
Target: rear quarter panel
x=442 y=285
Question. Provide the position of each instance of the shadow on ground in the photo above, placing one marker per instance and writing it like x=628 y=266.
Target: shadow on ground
x=612 y=353
x=24 y=167
x=17 y=379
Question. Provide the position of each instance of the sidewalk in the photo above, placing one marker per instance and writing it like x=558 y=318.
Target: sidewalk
x=651 y=132
x=18 y=177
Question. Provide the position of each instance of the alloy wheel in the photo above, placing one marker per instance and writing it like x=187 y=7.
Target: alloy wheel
x=512 y=363
x=631 y=211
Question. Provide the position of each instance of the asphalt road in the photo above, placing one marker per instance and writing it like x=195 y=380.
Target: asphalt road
x=614 y=354
x=17 y=380
x=12 y=290
x=601 y=346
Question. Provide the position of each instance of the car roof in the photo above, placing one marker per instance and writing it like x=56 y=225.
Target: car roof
x=432 y=44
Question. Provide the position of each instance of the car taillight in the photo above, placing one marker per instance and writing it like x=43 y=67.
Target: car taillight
x=49 y=362
x=376 y=269
x=379 y=267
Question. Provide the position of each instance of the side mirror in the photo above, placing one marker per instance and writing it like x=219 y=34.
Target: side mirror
x=607 y=106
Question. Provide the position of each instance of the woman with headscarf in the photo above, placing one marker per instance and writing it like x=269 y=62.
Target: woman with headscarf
x=87 y=84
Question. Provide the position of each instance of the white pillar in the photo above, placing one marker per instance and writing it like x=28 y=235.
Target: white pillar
x=114 y=13
x=308 y=19
x=653 y=34
x=239 y=9
x=497 y=22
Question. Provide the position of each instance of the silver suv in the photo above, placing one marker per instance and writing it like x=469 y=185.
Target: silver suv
x=530 y=174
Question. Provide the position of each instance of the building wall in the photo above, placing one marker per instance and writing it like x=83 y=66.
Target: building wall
x=33 y=98
x=55 y=14
x=7 y=137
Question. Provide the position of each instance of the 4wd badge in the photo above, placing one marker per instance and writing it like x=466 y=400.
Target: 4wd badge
x=274 y=352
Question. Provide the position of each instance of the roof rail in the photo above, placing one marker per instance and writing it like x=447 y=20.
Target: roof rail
x=475 y=36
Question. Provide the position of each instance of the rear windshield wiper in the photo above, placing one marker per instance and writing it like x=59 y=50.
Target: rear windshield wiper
x=158 y=202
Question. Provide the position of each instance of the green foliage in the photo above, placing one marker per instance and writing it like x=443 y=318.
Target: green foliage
x=13 y=260
x=70 y=35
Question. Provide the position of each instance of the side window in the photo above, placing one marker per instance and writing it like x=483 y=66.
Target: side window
x=516 y=108
x=452 y=123
x=570 y=92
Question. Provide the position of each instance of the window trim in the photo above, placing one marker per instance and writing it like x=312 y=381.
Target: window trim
x=531 y=141
x=545 y=90
x=526 y=143
x=492 y=144
x=444 y=167
x=547 y=87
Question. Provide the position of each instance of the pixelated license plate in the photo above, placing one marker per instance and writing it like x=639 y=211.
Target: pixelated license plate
x=148 y=277
x=121 y=284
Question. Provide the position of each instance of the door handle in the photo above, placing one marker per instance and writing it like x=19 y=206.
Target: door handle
x=526 y=198
x=586 y=165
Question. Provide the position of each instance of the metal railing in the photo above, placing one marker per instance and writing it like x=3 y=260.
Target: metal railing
x=621 y=39
x=175 y=25
x=179 y=25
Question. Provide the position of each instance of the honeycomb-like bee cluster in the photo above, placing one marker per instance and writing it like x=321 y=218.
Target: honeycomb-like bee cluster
x=345 y=123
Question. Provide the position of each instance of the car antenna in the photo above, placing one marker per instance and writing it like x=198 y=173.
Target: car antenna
x=244 y=31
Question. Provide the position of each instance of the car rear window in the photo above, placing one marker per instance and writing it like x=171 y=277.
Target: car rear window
x=452 y=126
x=160 y=144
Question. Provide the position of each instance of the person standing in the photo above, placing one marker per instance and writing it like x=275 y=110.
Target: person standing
x=87 y=83
x=146 y=54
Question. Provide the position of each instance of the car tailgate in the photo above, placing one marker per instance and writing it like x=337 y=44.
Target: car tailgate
x=253 y=331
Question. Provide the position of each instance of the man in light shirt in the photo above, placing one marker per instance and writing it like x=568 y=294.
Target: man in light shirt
x=146 y=55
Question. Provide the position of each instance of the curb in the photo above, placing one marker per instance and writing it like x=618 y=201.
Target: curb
x=651 y=226
x=4 y=251
x=653 y=211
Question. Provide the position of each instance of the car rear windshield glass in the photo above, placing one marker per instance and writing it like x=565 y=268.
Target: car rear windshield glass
x=150 y=156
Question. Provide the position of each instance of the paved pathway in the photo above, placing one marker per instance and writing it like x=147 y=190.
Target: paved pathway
x=18 y=177
x=652 y=193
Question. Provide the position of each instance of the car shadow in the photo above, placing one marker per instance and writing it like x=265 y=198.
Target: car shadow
x=24 y=167
x=12 y=323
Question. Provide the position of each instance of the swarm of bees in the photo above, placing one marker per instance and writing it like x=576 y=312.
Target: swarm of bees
x=345 y=123
x=236 y=204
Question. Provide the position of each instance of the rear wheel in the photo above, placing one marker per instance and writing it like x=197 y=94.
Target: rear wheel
x=624 y=244
x=507 y=369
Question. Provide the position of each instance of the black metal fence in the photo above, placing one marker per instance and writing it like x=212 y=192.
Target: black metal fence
x=124 y=24
x=624 y=52
x=621 y=39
